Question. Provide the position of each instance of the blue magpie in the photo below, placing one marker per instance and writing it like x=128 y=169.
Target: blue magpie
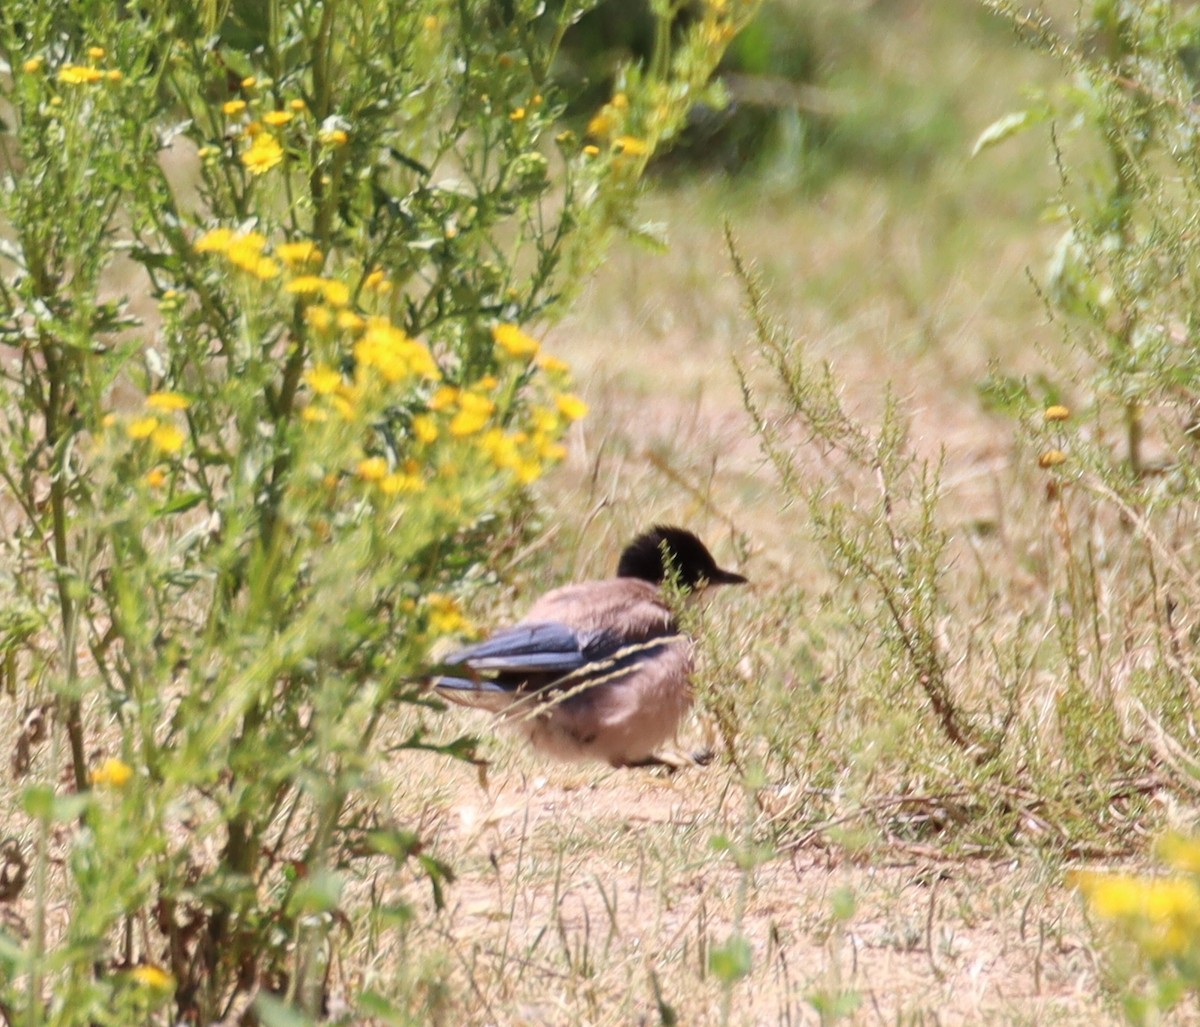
x=599 y=669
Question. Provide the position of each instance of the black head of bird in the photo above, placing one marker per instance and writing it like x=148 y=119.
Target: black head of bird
x=664 y=553
x=598 y=669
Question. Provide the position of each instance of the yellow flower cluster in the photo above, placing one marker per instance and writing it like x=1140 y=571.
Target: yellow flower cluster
x=112 y=773
x=445 y=615
x=513 y=342
x=79 y=74
x=1159 y=914
x=157 y=426
x=388 y=350
x=609 y=124
x=244 y=250
x=265 y=150
x=470 y=418
x=152 y=978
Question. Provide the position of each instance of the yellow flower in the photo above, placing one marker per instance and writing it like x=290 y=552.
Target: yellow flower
x=571 y=406
x=167 y=438
x=333 y=137
x=620 y=101
x=249 y=82
x=1057 y=413
x=112 y=773
x=517 y=115
x=500 y=447
x=167 y=401
x=1161 y=914
x=373 y=468
x=305 y=285
x=424 y=429
x=552 y=365
x=33 y=65
x=349 y=321
x=552 y=451
x=142 y=427
x=474 y=412
x=314 y=415
x=528 y=471
x=1051 y=458
x=298 y=105
x=445 y=615
x=155 y=478
x=374 y=279
x=1180 y=852
x=513 y=341
x=245 y=250
x=600 y=125
x=544 y=420
x=318 y=317
x=299 y=254
x=323 y=379
x=264 y=153
x=277 y=118
x=232 y=107
x=632 y=146
x=345 y=402
x=397 y=484
x=591 y=151
x=114 y=75
x=337 y=294
x=153 y=977
x=265 y=269
x=96 y=53
x=393 y=354
x=444 y=398
x=77 y=75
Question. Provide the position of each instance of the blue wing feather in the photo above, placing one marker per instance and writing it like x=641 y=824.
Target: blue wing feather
x=546 y=655
x=535 y=648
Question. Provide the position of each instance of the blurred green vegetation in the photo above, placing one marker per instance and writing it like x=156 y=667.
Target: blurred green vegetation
x=812 y=88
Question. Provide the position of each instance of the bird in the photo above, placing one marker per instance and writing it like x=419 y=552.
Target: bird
x=598 y=669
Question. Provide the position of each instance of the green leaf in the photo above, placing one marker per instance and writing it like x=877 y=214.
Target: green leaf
x=319 y=893
x=397 y=843
x=41 y=802
x=833 y=1005
x=184 y=501
x=732 y=961
x=843 y=904
x=1002 y=128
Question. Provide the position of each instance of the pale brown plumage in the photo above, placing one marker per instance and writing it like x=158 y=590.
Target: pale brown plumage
x=599 y=669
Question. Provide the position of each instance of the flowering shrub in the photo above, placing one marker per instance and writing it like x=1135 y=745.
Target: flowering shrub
x=267 y=278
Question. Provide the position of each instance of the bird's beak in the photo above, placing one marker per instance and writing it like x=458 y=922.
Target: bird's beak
x=721 y=577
